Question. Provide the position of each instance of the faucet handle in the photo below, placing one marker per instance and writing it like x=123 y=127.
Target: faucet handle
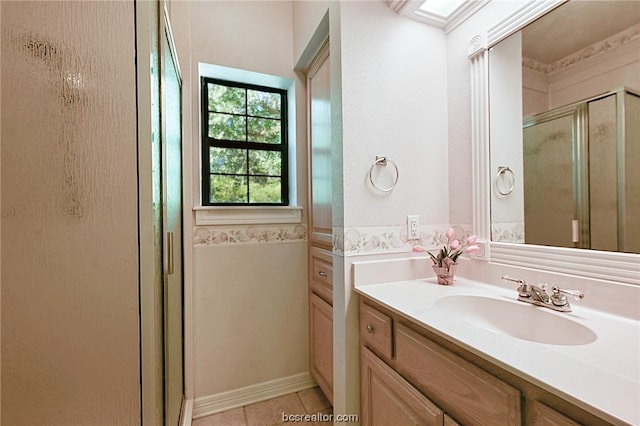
x=523 y=288
x=558 y=297
x=508 y=278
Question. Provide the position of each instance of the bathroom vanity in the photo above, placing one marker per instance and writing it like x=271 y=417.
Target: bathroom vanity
x=472 y=354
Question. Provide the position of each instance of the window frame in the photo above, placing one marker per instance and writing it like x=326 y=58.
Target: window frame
x=208 y=142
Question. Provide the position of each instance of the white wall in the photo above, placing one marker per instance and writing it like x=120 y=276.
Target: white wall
x=389 y=90
x=248 y=316
x=394 y=88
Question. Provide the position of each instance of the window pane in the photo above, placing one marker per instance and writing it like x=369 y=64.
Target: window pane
x=263 y=104
x=265 y=190
x=227 y=160
x=264 y=130
x=228 y=189
x=227 y=99
x=265 y=163
x=225 y=126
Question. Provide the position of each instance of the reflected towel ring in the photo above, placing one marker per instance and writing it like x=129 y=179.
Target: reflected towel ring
x=502 y=170
x=382 y=161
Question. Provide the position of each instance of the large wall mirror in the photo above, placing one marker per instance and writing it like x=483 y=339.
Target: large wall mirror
x=556 y=88
x=565 y=152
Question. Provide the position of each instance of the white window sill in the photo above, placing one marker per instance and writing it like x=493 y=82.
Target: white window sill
x=249 y=215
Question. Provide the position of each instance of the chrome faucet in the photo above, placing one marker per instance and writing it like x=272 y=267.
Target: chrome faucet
x=537 y=295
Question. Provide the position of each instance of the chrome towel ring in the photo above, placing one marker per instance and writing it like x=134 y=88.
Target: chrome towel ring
x=505 y=173
x=383 y=161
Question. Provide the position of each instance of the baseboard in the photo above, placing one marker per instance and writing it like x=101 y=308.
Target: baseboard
x=211 y=404
x=186 y=414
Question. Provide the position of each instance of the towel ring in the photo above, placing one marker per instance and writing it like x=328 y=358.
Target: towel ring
x=502 y=173
x=383 y=161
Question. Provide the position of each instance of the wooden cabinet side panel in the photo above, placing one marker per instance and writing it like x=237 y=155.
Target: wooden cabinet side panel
x=470 y=394
x=388 y=399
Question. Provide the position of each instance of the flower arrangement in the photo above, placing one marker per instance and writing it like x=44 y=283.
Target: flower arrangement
x=446 y=258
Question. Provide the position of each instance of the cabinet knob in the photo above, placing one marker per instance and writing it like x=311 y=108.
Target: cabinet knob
x=369 y=328
x=322 y=273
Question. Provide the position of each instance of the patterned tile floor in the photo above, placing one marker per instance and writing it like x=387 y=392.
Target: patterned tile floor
x=274 y=412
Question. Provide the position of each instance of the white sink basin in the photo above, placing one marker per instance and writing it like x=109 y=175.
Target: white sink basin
x=518 y=319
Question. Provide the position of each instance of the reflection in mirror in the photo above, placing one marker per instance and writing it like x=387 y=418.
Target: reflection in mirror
x=565 y=118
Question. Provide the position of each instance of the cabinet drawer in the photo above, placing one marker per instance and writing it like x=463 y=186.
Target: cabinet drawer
x=388 y=399
x=471 y=395
x=323 y=290
x=322 y=271
x=376 y=330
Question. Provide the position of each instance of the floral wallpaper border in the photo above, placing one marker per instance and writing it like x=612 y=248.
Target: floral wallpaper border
x=350 y=241
x=588 y=52
x=507 y=232
x=354 y=241
x=206 y=236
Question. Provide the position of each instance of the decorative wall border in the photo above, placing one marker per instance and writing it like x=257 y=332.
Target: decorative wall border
x=596 y=49
x=508 y=232
x=367 y=240
x=207 y=236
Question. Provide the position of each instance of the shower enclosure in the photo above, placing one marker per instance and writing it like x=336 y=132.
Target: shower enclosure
x=581 y=180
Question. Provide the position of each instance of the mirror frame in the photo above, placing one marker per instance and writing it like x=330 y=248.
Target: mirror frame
x=611 y=266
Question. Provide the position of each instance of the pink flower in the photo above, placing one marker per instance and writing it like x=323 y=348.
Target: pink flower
x=472 y=249
x=471 y=240
x=450 y=233
x=454 y=244
x=418 y=249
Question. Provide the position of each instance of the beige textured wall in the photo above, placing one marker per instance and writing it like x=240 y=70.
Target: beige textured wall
x=249 y=315
x=70 y=326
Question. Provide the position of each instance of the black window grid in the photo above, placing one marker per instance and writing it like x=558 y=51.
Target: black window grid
x=209 y=142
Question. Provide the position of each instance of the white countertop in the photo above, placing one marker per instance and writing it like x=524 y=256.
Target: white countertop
x=603 y=375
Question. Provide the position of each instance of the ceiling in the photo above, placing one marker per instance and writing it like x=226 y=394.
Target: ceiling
x=576 y=25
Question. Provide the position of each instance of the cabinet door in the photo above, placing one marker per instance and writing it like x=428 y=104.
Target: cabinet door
x=470 y=394
x=547 y=416
x=321 y=343
x=388 y=399
x=320 y=162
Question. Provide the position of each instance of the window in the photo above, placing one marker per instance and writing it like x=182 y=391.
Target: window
x=244 y=144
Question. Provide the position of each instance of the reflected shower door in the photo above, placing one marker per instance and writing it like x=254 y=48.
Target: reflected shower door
x=548 y=182
x=172 y=193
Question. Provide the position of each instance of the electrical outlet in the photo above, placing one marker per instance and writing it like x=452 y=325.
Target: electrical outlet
x=413 y=227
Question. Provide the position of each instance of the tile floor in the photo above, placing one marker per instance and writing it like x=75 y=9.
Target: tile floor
x=273 y=411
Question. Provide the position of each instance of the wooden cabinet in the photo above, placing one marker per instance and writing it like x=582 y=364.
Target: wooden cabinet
x=321 y=319
x=425 y=374
x=411 y=376
x=320 y=222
